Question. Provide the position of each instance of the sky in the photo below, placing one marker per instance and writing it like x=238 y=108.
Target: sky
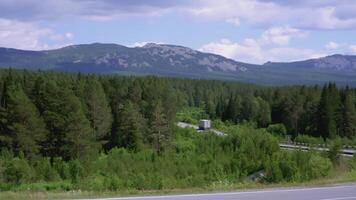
x=254 y=31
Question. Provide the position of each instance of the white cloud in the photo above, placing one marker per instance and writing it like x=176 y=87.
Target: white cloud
x=247 y=51
x=341 y=48
x=281 y=35
x=251 y=52
x=265 y=48
x=27 y=35
x=332 y=45
x=234 y=21
x=311 y=14
x=353 y=48
x=304 y=14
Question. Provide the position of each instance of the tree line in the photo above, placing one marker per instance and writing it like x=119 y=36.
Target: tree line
x=73 y=115
x=114 y=132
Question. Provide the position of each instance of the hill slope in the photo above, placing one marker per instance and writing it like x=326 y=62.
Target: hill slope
x=171 y=60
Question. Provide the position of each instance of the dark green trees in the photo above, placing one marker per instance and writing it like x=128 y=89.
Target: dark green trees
x=23 y=130
x=128 y=127
x=329 y=112
x=98 y=109
x=70 y=135
x=348 y=124
x=71 y=116
x=159 y=133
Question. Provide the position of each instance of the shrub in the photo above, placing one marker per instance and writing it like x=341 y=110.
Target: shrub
x=319 y=166
x=45 y=171
x=277 y=129
x=75 y=170
x=334 y=151
x=18 y=171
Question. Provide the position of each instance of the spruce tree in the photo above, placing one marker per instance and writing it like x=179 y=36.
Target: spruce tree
x=329 y=111
x=23 y=126
x=70 y=135
x=98 y=109
x=159 y=134
x=348 y=116
x=128 y=127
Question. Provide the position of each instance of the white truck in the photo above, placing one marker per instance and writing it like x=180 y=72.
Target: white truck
x=204 y=124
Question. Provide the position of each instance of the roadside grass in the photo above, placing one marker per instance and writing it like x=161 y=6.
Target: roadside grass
x=40 y=191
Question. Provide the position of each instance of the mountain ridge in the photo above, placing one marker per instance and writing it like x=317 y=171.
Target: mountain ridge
x=175 y=60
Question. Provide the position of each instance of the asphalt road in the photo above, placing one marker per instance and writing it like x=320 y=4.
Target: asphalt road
x=340 y=192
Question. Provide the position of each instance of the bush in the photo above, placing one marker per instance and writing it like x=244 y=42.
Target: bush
x=309 y=139
x=191 y=115
x=319 y=166
x=75 y=171
x=277 y=129
x=18 y=171
x=61 y=167
x=334 y=151
x=45 y=171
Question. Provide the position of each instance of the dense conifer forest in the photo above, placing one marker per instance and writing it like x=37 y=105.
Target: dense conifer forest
x=107 y=132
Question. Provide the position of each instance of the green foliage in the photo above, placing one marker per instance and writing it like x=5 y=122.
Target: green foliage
x=98 y=109
x=17 y=170
x=309 y=140
x=75 y=171
x=319 y=167
x=45 y=171
x=348 y=123
x=24 y=129
x=277 y=129
x=128 y=127
x=297 y=166
x=190 y=115
x=329 y=109
x=66 y=131
x=334 y=149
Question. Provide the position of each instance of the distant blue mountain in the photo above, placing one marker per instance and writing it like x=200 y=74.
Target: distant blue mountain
x=171 y=60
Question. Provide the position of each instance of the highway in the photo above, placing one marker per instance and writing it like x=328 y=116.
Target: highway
x=339 y=192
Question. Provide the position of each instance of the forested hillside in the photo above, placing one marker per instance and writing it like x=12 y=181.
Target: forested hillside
x=119 y=132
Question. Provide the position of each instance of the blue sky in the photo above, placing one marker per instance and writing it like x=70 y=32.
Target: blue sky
x=253 y=31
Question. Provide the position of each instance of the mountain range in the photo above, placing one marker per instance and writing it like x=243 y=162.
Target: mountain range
x=179 y=61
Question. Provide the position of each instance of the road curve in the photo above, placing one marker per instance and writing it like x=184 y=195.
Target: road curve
x=338 y=192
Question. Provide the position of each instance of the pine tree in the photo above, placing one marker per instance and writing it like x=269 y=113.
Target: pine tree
x=264 y=114
x=135 y=92
x=232 y=110
x=78 y=131
x=98 y=109
x=220 y=108
x=329 y=110
x=25 y=128
x=70 y=135
x=128 y=127
x=348 y=116
x=159 y=134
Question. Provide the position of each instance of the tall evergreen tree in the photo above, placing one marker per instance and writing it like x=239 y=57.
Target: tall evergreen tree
x=70 y=135
x=98 y=109
x=159 y=134
x=232 y=110
x=24 y=128
x=264 y=114
x=348 y=125
x=329 y=110
x=128 y=127
x=77 y=129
